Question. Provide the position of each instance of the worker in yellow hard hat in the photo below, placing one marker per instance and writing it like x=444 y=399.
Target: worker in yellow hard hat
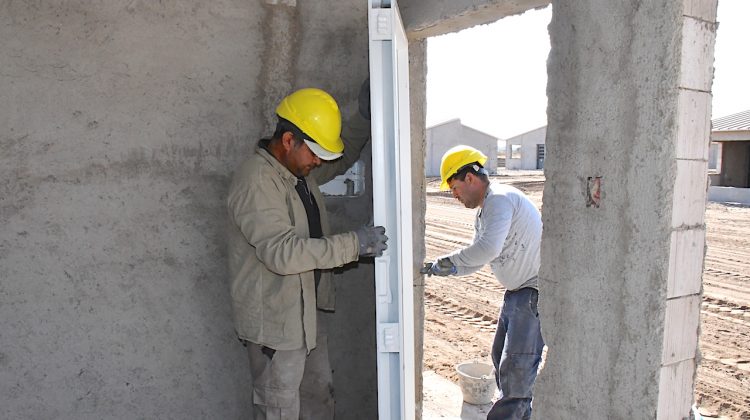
x=313 y=116
x=282 y=251
x=508 y=238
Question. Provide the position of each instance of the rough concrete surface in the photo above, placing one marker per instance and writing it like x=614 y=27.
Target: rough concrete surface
x=418 y=100
x=120 y=126
x=122 y=122
x=437 y=17
x=613 y=77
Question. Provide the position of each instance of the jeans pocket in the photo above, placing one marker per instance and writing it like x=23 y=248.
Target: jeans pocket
x=534 y=303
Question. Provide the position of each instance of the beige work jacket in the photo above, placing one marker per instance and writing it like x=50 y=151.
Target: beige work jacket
x=271 y=255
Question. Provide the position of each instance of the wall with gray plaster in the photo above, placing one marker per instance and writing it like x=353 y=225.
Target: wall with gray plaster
x=334 y=43
x=437 y=17
x=612 y=89
x=418 y=99
x=120 y=127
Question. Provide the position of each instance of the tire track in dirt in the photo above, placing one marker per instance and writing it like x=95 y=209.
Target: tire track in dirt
x=727 y=311
x=725 y=284
x=718 y=393
x=482 y=322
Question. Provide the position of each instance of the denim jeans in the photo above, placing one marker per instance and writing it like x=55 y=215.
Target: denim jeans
x=516 y=353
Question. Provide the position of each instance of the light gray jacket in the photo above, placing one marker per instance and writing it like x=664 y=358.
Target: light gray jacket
x=508 y=234
x=271 y=255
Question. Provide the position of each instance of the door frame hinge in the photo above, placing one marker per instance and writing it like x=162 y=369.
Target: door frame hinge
x=389 y=337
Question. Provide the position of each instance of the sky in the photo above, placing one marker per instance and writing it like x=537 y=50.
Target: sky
x=501 y=88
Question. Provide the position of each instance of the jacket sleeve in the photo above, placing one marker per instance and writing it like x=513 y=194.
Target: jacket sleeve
x=496 y=216
x=262 y=213
x=355 y=134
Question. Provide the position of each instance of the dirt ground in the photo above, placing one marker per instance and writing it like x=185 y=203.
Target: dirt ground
x=460 y=314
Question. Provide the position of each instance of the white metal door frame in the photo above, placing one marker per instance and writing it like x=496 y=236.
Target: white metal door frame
x=392 y=207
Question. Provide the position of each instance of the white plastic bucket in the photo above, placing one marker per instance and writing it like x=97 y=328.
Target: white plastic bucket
x=477 y=381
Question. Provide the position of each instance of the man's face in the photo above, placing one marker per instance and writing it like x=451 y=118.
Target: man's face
x=300 y=160
x=466 y=191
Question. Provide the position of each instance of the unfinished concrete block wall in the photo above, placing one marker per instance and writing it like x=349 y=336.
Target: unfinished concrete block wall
x=437 y=17
x=418 y=103
x=680 y=354
x=629 y=102
x=121 y=124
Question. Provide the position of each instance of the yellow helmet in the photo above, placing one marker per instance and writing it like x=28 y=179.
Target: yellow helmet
x=456 y=158
x=316 y=113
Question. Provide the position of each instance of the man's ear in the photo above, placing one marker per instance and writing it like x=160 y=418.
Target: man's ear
x=287 y=140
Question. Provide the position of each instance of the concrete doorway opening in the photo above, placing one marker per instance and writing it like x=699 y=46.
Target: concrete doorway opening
x=484 y=85
x=606 y=89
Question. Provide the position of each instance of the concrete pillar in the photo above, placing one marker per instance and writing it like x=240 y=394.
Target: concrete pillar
x=418 y=99
x=623 y=243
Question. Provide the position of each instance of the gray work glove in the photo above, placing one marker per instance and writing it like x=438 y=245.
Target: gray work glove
x=364 y=99
x=443 y=267
x=372 y=241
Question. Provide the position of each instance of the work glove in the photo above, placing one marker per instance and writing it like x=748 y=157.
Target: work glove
x=364 y=99
x=372 y=241
x=443 y=267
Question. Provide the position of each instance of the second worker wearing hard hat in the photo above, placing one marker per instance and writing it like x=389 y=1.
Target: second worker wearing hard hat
x=508 y=237
x=282 y=250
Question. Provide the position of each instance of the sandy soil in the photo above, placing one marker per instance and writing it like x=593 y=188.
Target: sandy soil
x=460 y=313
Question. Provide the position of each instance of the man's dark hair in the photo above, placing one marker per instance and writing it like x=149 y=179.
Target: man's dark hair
x=474 y=168
x=285 y=125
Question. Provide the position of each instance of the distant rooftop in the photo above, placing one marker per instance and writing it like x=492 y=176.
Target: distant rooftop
x=735 y=122
x=453 y=120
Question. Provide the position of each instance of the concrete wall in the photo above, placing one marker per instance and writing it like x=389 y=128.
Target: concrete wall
x=122 y=123
x=729 y=195
x=120 y=127
x=528 y=148
x=437 y=17
x=629 y=101
x=443 y=136
x=418 y=98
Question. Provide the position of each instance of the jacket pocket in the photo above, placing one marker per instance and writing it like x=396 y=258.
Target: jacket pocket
x=326 y=298
x=272 y=330
x=275 y=397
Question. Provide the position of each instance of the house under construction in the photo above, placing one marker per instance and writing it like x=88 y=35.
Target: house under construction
x=123 y=120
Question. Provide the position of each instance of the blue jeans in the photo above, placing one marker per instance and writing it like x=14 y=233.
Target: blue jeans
x=516 y=353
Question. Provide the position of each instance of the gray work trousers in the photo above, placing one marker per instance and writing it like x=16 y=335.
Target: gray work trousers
x=291 y=384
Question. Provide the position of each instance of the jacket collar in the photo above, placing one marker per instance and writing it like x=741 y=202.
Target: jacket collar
x=281 y=169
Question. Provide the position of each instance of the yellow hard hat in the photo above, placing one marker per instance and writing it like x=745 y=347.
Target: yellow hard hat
x=317 y=115
x=456 y=158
